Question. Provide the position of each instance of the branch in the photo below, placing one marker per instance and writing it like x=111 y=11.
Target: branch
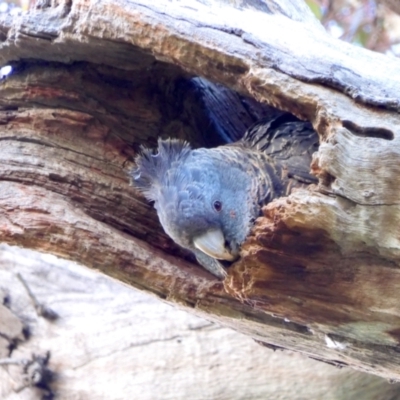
x=257 y=53
x=318 y=274
x=104 y=323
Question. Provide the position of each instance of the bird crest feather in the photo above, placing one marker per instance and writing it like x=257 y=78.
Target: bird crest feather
x=152 y=167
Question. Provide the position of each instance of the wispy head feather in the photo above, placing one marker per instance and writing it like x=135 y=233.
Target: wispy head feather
x=152 y=167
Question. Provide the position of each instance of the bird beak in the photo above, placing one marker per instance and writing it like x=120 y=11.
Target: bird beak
x=212 y=243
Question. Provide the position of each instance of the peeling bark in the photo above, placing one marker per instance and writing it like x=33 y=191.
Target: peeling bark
x=319 y=273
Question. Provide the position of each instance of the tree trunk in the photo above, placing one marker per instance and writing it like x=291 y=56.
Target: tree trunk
x=92 y=82
x=111 y=342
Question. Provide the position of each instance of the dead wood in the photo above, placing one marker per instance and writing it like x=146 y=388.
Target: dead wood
x=111 y=342
x=93 y=81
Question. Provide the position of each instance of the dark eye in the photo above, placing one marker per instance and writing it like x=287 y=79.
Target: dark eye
x=217 y=206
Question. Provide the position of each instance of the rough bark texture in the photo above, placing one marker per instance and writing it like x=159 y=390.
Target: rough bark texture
x=156 y=351
x=320 y=272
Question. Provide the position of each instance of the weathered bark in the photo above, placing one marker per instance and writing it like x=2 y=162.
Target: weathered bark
x=320 y=272
x=156 y=351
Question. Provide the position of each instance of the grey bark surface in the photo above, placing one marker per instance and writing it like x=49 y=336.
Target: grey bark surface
x=112 y=342
x=320 y=272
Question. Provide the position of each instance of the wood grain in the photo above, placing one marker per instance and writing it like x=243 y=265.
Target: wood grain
x=94 y=81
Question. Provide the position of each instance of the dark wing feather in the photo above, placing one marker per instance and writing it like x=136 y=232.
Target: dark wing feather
x=288 y=142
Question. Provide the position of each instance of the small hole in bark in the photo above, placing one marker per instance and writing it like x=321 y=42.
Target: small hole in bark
x=379 y=133
x=57 y=178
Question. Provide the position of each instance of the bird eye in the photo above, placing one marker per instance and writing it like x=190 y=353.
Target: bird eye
x=217 y=206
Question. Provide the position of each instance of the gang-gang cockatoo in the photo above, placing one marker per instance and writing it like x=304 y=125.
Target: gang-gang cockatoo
x=208 y=199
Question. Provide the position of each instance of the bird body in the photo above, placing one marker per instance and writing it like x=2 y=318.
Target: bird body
x=207 y=199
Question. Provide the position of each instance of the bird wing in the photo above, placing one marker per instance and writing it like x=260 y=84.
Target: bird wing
x=289 y=144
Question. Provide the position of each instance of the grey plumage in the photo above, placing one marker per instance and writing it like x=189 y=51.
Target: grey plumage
x=208 y=199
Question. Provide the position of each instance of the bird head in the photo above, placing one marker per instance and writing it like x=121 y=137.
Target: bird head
x=204 y=199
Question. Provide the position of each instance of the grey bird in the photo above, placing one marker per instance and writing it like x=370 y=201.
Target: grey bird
x=208 y=199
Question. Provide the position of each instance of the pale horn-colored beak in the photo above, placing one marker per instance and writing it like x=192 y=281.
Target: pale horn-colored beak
x=212 y=243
